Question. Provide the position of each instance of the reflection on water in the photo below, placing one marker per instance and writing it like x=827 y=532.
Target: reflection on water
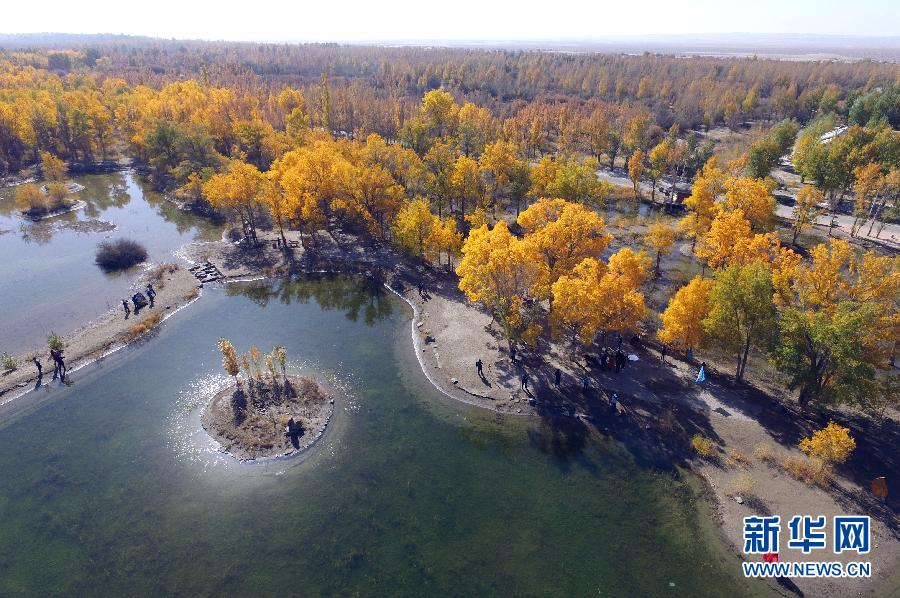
x=50 y=281
x=364 y=296
x=110 y=488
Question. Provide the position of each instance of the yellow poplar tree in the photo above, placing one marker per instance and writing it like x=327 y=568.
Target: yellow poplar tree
x=682 y=320
x=660 y=237
x=563 y=234
x=752 y=197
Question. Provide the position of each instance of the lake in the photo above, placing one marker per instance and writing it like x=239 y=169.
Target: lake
x=110 y=486
x=50 y=280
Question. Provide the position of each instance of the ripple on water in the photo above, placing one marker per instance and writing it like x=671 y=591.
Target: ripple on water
x=191 y=444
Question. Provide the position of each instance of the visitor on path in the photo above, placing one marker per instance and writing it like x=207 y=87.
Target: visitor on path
x=151 y=294
x=479 y=367
x=585 y=383
x=127 y=309
x=150 y=287
x=525 y=382
x=55 y=357
x=663 y=352
x=557 y=377
x=701 y=375
x=690 y=354
x=512 y=353
x=613 y=402
x=37 y=364
x=62 y=365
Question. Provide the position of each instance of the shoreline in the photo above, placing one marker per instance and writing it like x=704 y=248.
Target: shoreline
x=647 y=390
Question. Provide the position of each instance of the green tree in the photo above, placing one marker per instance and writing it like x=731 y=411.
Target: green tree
x=822 y=352
x=742 y=313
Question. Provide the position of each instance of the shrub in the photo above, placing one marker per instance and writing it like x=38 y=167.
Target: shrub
x=703 y=446
x=192 y=294
x=764 y=452
x=9 y=362
x=55 y=342
x=30 y=200
x=120 y=254
x=144 y=326
x=832 y=444
x=741 y=485
x=812 y=471
x=738 y=458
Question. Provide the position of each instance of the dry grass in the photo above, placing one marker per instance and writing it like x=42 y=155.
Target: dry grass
x=192 y=294
x=144 y=326
x=158 y=273
x=765 y=452
x=741 y=485
x=703 y=446
x=814 y=472
x=738 y=458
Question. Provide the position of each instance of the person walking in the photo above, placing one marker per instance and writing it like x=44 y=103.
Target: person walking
x=479 y=367
x=62 y=365
x=663 y=352
x=584 y=383
x=40 y=368
x=701 y=375
x=151 y=294
x=525 y=382
x=613 y=402
x=557 y=377
x=127 y=309
x=512 y=353
x=55 y=357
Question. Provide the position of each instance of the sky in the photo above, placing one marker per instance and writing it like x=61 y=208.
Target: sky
x=373 y=20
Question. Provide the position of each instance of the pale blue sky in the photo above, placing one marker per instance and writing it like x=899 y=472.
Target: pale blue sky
x=353 y=20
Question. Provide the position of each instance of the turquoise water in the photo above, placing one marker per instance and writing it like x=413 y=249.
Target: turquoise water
x=109 y=487
x=50 y=281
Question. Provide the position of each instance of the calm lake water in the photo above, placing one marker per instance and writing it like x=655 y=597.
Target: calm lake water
x=109 y=486
x=49 y=279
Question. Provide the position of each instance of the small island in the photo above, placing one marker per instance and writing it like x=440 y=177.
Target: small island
x=265 y=413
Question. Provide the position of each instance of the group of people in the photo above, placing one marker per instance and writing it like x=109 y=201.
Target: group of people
x=137 y=300
x=59 y=365
x=609 y=359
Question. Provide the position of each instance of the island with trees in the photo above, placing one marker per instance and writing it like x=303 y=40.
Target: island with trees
x=266 y=412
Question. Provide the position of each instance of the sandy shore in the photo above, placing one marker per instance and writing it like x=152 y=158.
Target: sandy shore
x=660 y=406
x=106 y=333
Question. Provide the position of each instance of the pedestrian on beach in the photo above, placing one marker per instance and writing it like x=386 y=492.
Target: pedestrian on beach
x=479 y=367
x=525 y=382
x=55 y=357
x=701 y=375
x=151 y=294
x=62 y=365
x=557 y=377
x=127 y=309
x=37 y=364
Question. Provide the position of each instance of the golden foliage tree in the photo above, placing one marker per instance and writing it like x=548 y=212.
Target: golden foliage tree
x=832 y=444
x=563 y=233
x=660 y=237
x=682 y=320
